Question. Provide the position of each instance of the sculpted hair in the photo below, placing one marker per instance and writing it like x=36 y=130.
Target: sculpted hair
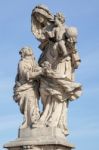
x=27 y=51
x=60 y=17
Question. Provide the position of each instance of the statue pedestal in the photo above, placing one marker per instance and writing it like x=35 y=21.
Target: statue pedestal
x=40 y=139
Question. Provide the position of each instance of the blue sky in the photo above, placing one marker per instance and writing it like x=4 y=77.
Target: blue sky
x=15 y=32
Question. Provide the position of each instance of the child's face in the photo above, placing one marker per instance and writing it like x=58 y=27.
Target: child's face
x=57 y=22
x=46 y=65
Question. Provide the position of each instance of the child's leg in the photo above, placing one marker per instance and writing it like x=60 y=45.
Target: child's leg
x=63 y=47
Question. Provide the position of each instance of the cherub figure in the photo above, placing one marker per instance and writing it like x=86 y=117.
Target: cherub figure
x=58 y=33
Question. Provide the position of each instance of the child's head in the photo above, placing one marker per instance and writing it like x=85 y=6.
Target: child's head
x=46 y=65
x=59 y=16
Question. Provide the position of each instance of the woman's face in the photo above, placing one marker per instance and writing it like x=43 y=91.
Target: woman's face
x=40 y=18
x=21 y=54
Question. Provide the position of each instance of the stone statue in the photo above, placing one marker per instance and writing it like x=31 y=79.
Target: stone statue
x=26 y=93
x=57 y=86
x=52 y=80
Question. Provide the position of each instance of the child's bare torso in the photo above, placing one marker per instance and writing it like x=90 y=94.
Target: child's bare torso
x=60 y=33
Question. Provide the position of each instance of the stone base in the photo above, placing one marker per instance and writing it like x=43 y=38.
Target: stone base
x=42 y=147
x=40 y=139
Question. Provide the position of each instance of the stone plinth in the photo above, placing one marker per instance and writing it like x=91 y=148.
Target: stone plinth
x=37 y=139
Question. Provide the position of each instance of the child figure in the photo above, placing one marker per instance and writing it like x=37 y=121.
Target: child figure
x=59 y=34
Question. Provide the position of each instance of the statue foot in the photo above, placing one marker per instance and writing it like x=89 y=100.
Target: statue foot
x=38 y=125
x=51 y=125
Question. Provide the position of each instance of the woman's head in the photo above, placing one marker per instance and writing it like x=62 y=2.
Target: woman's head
x=41 y=13
x=26 y=51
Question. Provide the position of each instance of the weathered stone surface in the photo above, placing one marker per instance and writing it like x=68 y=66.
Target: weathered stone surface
x=36 y=138
x=49 y=147
x=26 y=88
x=59 y=59
x=51 y=79
x=40 y=132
